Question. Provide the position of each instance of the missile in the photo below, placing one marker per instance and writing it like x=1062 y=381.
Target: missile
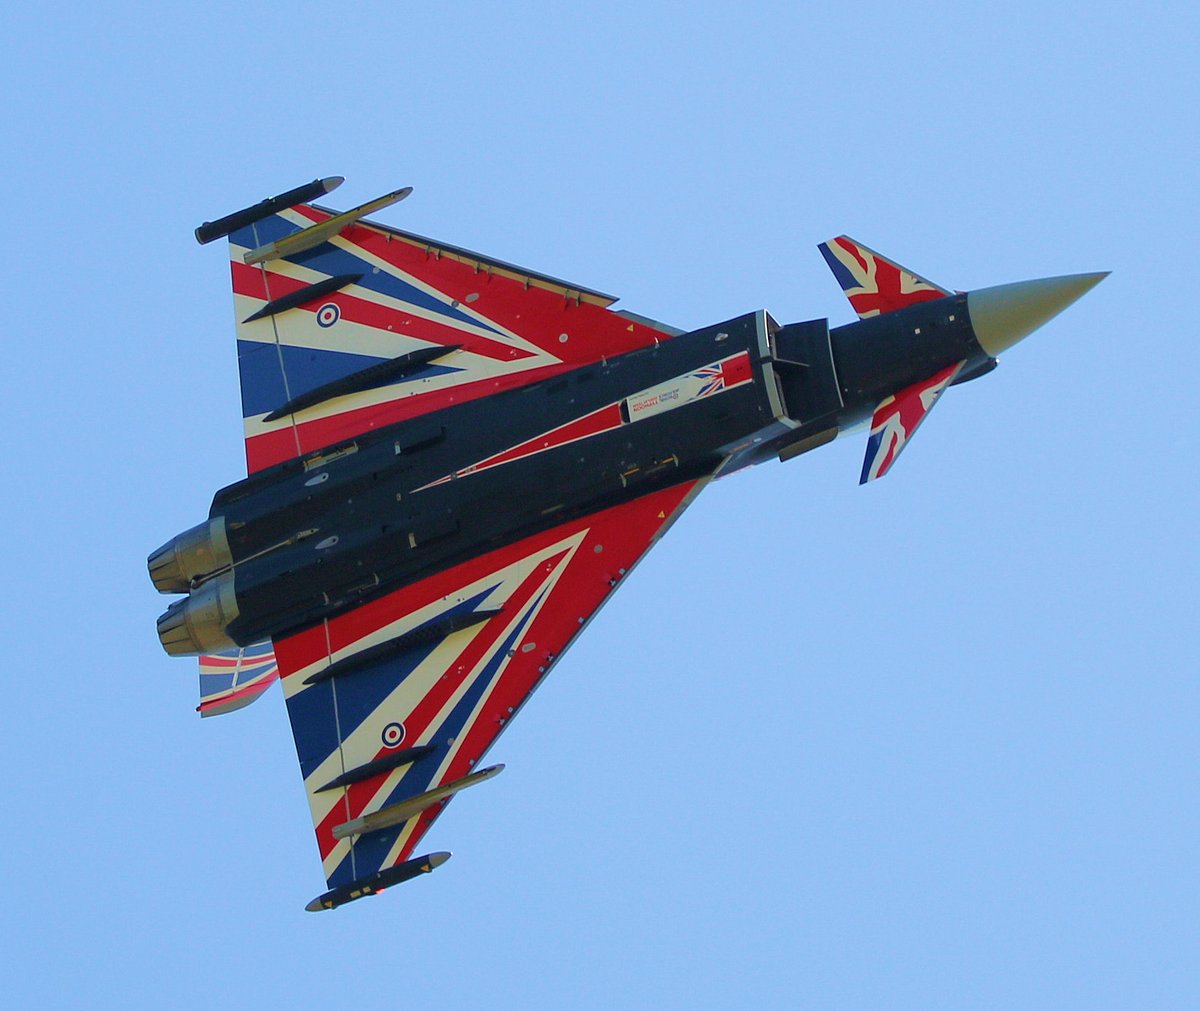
x=397 y=814
x=256 y=212
x=322 y=231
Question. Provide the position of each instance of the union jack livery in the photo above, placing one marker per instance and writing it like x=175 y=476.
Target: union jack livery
x=896 y=419
x=873 y=283
x=452 y=464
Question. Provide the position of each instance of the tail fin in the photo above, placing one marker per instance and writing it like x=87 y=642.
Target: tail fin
x=873 y=283
x=234 y=678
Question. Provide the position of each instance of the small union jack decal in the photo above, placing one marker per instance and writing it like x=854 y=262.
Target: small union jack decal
x=873 y=283
x=713 y=380
x=897 y=418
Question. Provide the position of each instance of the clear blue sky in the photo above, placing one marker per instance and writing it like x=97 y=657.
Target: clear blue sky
x=928 y=743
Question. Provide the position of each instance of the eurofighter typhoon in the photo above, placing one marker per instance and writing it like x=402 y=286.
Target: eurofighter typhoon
x=454 y=462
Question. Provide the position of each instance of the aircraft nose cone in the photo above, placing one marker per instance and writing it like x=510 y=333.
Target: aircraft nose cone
x=1005 y=314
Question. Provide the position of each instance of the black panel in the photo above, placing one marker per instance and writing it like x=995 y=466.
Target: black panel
x=878 y=356
x=804 y=361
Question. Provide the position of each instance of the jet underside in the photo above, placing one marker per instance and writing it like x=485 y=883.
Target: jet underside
x=454 y=462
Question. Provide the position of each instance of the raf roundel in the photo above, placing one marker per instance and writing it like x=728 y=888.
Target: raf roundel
x=393 y=735
x=328 y=314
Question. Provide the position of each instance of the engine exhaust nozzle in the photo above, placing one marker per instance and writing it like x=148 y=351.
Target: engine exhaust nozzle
x=183 y=561
x=197 y=623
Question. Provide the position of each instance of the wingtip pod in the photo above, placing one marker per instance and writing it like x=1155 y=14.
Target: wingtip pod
x=375 y=883
x=211 y=230
x=1007 y=313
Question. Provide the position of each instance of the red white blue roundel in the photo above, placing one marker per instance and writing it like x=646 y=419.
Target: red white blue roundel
x=328 y=314
x=393 y=735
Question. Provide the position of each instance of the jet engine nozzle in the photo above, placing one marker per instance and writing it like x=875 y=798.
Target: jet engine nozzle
x=197 y=623
x=1007 y=313
x=198 y=552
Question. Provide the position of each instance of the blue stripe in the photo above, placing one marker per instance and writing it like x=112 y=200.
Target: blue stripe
x=840 y=272
x=260 y=378
x=263 y=389
x=330 y=259
x=873 y=445
x=371 y=850
x=313 y=726
x=250 y=673
x=364 y=691
x=211 y=684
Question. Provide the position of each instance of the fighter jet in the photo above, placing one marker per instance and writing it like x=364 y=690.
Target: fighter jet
x=453 y=462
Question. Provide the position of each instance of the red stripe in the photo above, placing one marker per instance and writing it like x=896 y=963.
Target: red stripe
x=736 y=370
x=538 y=314
x=853 y=250
x=603 y=420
